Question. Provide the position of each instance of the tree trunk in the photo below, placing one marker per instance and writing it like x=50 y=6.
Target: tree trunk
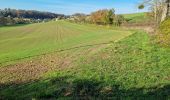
x=166 y=10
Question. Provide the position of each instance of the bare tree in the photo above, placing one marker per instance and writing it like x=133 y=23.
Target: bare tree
x=160 y=8
x=166 y=10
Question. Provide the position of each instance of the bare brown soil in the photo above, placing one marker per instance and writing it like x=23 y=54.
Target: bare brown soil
x=32 y=70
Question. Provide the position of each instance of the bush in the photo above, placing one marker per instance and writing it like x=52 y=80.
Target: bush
x=6 y=21
x=164 y=33
x=118 y=20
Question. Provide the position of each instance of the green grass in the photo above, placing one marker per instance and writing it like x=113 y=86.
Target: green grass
x=133 y=68
x=20 y=42
x=137 y=17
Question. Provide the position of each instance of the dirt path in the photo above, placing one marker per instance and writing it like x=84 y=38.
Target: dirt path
x=148 y=27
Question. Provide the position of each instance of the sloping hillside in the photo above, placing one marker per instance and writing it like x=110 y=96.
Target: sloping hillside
x=20 y=42
x=137 y=17
x=133 y=68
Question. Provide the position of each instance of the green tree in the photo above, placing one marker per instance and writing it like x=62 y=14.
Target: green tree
x=109 y=17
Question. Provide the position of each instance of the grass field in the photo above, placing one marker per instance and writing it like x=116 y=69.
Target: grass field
x=92 y=66
x=30 y=40
x=137 y=17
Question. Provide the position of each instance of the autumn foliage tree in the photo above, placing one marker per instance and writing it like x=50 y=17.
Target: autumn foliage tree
x=104 y=16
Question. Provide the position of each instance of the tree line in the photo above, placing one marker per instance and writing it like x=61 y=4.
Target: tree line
x=7 y=12
x=100 y=17
x=13 y=16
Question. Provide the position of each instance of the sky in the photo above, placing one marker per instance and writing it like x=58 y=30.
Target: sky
x=69 y=7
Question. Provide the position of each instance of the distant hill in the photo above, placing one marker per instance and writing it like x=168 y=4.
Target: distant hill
x=31 y=14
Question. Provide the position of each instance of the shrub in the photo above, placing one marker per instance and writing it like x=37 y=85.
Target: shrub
x=6 y=21
x=118 y=20
x=164 y=33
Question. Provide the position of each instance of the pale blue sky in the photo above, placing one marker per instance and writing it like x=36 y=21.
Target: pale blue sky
x=73 y=6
